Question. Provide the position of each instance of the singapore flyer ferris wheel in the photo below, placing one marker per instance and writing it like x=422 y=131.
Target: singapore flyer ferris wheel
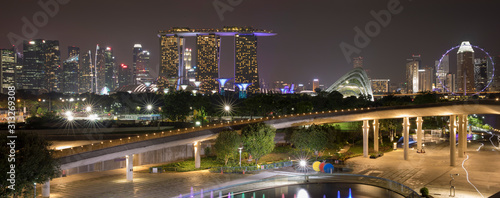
x=462 y=73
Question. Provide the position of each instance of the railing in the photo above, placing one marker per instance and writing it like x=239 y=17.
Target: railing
x=245 y=169
x=272 y=183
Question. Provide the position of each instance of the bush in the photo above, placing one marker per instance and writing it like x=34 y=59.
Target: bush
x=424 y=191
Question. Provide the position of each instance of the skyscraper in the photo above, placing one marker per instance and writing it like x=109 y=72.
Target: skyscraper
x=41 y=66
x=171 y=50
x=246 y=67
x=135 y=53
x=465 y=68
x=425 y=79
x=412 y=77
x=99 y=69
x=8 y=63
x=357 y=62
x=380 y=86
x=124 y=75
x=109 y=69
x=441 y=73
x=141 y=65
x=70 y=73
x=480 y=73
x=208 y=47
x=315 y=84
x=85 y=73
x=52 y=69
x=188 y=67
x=495 y=80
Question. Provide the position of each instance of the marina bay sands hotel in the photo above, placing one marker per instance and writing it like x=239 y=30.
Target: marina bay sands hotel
x=173 y=57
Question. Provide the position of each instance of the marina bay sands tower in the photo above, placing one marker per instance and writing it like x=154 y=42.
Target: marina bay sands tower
x=208 y=47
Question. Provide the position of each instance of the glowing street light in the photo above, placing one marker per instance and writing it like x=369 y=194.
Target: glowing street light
x=88 y=108
x=149 y=107
x=227 y=108
x=68 y=113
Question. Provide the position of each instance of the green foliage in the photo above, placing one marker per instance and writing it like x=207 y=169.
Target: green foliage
x=208 y=151
x=227 y=144
x=314 y=137
x=33 y=163
x=188 y=165
x=258 y=139
x=426 y=98
x=177 y=105
x=424 y=191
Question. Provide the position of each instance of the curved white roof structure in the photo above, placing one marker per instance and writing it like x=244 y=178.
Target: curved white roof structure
x=354 y=83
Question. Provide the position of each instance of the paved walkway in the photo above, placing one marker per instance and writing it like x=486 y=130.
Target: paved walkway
x=430 y=169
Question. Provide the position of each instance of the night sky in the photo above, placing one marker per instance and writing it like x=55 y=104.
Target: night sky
x=309 y=32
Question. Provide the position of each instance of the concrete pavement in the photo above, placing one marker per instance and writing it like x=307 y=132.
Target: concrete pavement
x=430 y=169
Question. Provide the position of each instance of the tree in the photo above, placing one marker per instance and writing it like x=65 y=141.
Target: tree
x=258 y=139
x=226 y=145
x=33 y=163
x=314 y=137
x=177 y=105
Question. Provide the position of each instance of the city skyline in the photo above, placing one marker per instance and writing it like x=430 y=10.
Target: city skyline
x=277 y=54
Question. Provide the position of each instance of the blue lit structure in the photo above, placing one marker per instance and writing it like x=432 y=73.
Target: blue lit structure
x=243 y=89
x=222 y=82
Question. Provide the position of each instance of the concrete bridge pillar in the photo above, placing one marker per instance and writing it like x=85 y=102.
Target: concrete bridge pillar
x=46 y=189
x=376 y=126
x=197 y=159
x=461 y=124
x=466 y=119
x=420 y=133
x=453 y=128
x=366 y=128
x=130 y=167
x=406 y=134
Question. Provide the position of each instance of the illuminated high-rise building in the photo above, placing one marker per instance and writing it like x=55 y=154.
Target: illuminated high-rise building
x=41 y=66
x=70 y=72
x=109 y=69
x=480 y=73
x=465 y=68
x=188 y=67
x=357 y=62
x=124 y=75
x=412 y=77
x=380 y=86
x=53 y=67
x=246 y=67
x=315 y=84
x=425 y=79
x=171 y=50
x=135 y=54
x=85 y=74
x=99 y=70
x=141 y=66
x=207 y=59
x=441 y=72
x=8 y=63
x=495 y=79
x=175 y=58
